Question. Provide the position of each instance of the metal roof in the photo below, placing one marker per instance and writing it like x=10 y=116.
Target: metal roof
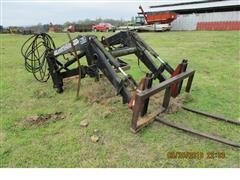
x=199 y=6
x=185 y=3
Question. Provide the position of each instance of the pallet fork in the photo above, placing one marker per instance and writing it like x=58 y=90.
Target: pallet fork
x=139 y=120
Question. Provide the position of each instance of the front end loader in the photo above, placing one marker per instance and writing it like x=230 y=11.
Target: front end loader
x=105 y=57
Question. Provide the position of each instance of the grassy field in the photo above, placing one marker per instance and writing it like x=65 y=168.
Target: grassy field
x=64 y=143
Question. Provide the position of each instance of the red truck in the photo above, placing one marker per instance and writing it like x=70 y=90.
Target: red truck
x=103 y=27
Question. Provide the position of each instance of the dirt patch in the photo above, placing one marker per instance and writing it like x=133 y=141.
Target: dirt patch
x=44 y=118
x=67 y=81
x=100 y=92
x=40 y=94
x=176 y=103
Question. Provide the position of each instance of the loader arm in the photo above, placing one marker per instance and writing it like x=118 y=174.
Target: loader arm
x=127 y=40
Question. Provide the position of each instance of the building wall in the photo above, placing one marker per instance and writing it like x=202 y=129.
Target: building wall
x=189 y=21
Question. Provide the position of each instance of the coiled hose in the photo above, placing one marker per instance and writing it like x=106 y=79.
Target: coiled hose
x=35 y=51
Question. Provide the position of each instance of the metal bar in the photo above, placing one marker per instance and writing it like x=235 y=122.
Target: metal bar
x=149 y=63
x=112 y=60
x=106 y=68
x=146 y=120
x=148 y=85
x=115 y=39
x=142 y=96
x=189 y=83
x=125 y=68
x=55 y=75
x=145 y=46
x=144 y=14
x=216 y=117
x=167 y=97
x=74 y=72
x=136 y=110
x=184 y=67
x=209 y=136
x=123 y=52
x=149 y=92
x=71 y=61
x=78 y=62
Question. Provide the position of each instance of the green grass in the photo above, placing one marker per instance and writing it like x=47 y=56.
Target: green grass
x=214 y=56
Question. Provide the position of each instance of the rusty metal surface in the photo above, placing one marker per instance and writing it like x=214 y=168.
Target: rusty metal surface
x=78 y=62
x=165 y=85
x=216 y=117
x=209 y=136
x=146 y=120
x=149 y=92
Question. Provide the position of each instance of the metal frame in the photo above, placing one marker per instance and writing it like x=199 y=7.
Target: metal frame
x=137 y=122
x=104 y=56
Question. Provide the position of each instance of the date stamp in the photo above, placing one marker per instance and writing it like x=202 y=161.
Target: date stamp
x=195 y=155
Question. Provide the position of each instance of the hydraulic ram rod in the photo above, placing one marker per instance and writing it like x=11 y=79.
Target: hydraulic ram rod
x=112 y=61
x=109 y=56
x=153 y=53
x=209 y=136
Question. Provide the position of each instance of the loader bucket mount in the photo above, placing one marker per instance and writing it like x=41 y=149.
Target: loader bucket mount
x=140 y=118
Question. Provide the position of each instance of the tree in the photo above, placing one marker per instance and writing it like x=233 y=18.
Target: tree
x=66 y=24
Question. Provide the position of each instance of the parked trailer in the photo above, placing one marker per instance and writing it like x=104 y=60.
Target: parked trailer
x=147 y=27
x=153 y=21
x=80 y=28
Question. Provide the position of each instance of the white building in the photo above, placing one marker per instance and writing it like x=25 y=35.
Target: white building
x=204 y=15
